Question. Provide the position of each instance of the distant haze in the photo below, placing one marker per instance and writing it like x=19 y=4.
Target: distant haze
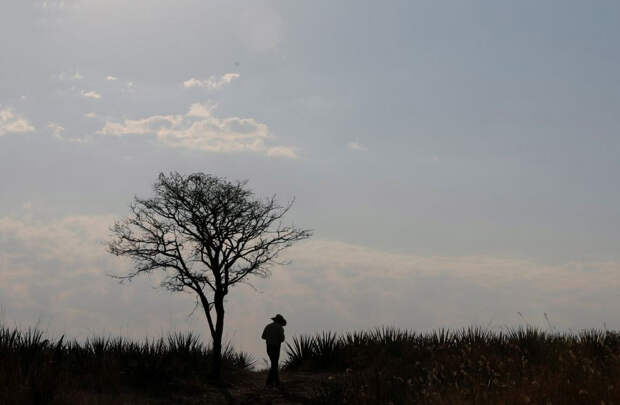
x=457 y=161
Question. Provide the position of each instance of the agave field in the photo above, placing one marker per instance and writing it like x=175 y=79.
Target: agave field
x=37 y=370
x=380 y=366
x=472 y=366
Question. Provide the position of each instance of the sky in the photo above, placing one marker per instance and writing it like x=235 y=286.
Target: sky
x=457 y=161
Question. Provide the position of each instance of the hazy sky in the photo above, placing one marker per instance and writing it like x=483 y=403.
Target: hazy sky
x=458 y=161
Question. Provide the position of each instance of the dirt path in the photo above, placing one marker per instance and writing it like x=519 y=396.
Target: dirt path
x=296 y=388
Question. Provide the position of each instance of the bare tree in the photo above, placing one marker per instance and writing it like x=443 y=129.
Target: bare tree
x=205 y=234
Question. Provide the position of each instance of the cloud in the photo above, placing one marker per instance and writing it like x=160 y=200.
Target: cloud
x=62 y=76
x=56 y=129
x=346 y=286
x=13 y=123
x=201 y=110
x=81 y=231
x=282 y=151
x=57 y=132
x=111 y=78
x=54 y=273
x=90 y=94
x=356 y=146
x=56 y=269
x=200 y=129
x=212 y=82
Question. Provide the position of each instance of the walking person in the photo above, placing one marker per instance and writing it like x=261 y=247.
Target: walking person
x=274 y=336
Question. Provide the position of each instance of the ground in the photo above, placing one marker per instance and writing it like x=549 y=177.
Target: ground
x=296 y=388
x=249 y=389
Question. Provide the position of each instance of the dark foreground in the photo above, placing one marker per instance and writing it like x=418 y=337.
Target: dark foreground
x=383 y=366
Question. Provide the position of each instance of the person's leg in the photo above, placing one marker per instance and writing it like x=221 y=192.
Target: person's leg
x=276 y=373
x=269 y=382
x=270 y=375
x=274 y=355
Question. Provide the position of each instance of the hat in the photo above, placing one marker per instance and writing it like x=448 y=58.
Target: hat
x=279 y=319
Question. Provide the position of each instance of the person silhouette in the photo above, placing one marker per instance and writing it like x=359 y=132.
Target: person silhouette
x=273 y=334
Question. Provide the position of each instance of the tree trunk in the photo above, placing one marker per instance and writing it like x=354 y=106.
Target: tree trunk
x=217 y=356
x=217 y=338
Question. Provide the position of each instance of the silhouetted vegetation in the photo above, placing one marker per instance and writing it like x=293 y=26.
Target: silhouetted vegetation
x=38 y=370
x=380 y=366
x=391 y=366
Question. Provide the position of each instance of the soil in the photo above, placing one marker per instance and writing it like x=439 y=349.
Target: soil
x=295 y=388
x=247 y=389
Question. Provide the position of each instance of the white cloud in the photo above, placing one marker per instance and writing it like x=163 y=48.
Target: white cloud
x=111 y=78
x=192 y=83
x=212 y=82
x=282 y=151
x=13 y=123
x=90 y=94
x=356 y=146
x=200 y=129
x=201 y=110
x=56 y=129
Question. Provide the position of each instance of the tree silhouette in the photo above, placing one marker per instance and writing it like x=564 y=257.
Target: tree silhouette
x=206 y=234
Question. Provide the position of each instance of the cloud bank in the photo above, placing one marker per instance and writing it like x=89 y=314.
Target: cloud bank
x=55 y=270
